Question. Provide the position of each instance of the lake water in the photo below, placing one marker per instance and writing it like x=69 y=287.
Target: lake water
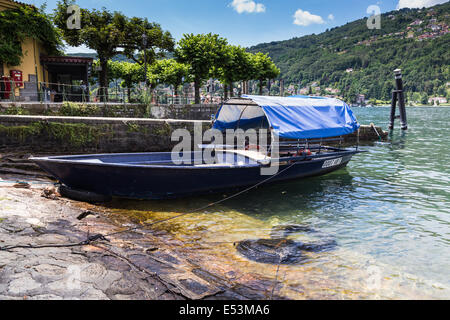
x=389 y=212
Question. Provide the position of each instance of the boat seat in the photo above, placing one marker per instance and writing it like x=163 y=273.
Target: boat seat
x=91 y=161
x=251 y=154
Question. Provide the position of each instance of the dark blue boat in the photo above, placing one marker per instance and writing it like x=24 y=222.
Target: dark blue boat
x=157 y=176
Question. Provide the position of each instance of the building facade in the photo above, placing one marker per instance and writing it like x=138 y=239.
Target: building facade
x=40 y=77
x=30 y=69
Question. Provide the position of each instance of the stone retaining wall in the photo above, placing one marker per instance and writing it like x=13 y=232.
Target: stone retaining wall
x=113 y=110
x=103 y=135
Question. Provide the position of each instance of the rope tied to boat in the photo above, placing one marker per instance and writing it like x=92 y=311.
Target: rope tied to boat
x=98 y=237
x=376 y=131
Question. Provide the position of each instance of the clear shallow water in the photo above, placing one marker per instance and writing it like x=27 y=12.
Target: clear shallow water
x=389 y=212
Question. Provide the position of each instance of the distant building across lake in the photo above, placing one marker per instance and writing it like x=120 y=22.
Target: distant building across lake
x=436 y=100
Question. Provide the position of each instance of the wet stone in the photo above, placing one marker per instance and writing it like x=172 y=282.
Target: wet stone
x=122 y=286
x=321 y=246
x=272 y=251
x=166 y=257
x=249 y=293
x=281 y=250
x=194 y=286
x=211 y=278
x=130 y=236
x=147 y=263
x=227 y=295
x=115 y=264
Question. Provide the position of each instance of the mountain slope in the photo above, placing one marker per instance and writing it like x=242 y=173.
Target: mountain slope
x=357 y=60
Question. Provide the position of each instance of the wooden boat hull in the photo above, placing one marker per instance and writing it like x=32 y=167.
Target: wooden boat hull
x=162 y=182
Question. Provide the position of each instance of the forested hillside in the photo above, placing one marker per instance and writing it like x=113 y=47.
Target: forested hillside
x=353 y=59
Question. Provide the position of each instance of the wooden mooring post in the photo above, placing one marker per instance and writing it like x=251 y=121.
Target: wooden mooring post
x=398 y=95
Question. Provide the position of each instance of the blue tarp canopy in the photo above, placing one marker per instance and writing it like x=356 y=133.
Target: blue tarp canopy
x=296 y=117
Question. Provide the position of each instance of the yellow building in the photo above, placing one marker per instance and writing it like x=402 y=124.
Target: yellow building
x=31 y=68
x=40 y=71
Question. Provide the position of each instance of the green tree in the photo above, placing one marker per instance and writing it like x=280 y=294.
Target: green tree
x=130 y=74
x=415 y=97
x=238 y=67
x=106 y=32
x=424 y=98
x=263 y=69
x=170 y=72
x=202 y=53
x=18 y=24
x=441 y=91
x=156 y=45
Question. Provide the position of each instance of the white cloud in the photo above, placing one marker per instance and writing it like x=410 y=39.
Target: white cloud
x=330 y=16
x=305 y=18
x=249 y=6
x=418 y=3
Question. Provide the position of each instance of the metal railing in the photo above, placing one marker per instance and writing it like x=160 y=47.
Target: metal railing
x=46 y=92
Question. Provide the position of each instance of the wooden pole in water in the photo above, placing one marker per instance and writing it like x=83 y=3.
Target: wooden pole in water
x=393 y=107
x=401 y=99
x=398 y=95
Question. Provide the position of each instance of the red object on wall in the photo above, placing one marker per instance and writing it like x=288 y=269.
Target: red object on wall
x=17 y=77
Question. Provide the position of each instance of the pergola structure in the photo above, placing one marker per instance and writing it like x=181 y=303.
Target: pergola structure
x=67 y=77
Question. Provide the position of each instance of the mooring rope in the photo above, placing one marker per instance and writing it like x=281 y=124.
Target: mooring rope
x=97 y=237
x=376 y=131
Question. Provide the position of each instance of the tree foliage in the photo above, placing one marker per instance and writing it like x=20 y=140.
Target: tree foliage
x=129 y=73
x=203 y=53
x=159 y=42
x=18 y=24
x=111 y=33
x=238 y=67
x=264 y=68
x=170 y=72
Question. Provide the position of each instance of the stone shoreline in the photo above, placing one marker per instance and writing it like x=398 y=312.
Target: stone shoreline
x=143 y=264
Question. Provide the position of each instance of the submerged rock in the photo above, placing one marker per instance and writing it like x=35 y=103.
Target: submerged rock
x=273 y=251
x=280 y=250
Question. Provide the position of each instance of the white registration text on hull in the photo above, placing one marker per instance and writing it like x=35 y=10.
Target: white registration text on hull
x=332 y=163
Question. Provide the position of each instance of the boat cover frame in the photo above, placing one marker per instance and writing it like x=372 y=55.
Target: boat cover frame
x=296 y=117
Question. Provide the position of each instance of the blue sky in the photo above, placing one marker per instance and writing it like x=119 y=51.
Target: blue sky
x=245 y=22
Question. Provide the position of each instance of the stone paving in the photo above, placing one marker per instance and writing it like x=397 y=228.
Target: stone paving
x=132 y=265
